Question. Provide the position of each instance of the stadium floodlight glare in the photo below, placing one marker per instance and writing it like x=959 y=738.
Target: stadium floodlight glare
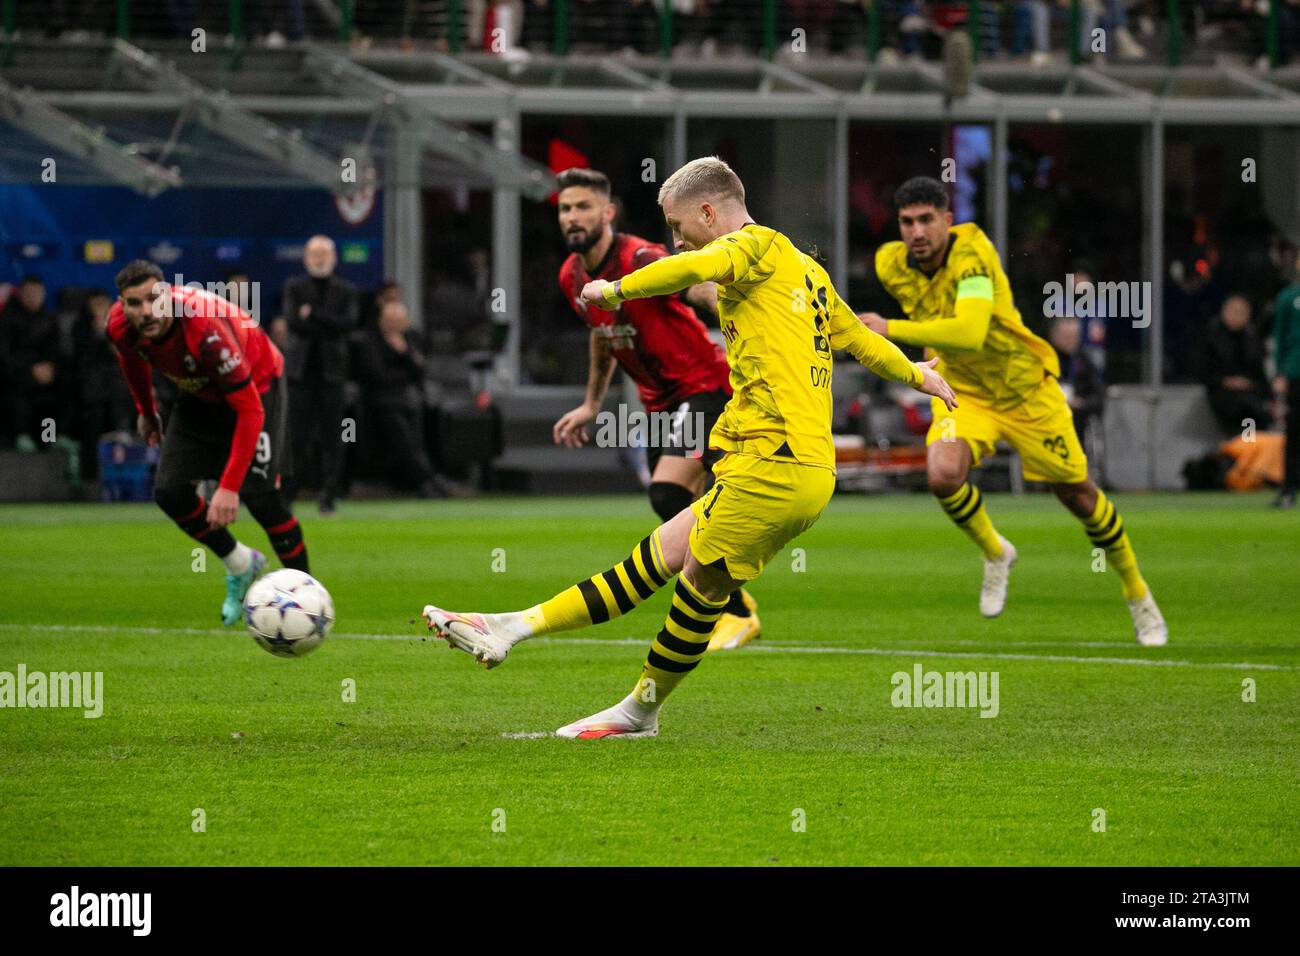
x=28 y=111
x=507 y=169
x=215 y=112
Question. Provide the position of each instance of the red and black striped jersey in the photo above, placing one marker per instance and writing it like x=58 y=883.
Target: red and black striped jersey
x=658 y=341
x=213 y=351
x=212 y=348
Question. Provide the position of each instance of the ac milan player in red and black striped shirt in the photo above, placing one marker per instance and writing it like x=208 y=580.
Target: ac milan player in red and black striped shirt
x=664 y=347
x=228 y=423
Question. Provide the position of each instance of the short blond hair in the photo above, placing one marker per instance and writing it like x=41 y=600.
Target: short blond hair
x=706 y=178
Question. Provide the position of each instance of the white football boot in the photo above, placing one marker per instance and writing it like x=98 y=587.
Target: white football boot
x=612 y=722
x=997 y=573
x=1148 y=622
x=472 y=633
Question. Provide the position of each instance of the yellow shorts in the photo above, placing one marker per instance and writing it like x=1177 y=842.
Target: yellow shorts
x=755 y=508
x=1040 y=429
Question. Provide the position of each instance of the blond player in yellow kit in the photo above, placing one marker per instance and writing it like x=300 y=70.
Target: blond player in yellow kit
x=781 y=317
x=949 y=281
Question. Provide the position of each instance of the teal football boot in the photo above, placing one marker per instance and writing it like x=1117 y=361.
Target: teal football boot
x=237 y=585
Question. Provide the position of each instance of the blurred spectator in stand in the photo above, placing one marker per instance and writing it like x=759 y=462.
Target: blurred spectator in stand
x=495 y=26
x=7 y=433
x=1232 y=369
x=321 y=310
x=911 y=25
x=1193 y=293
x=1286 y=336
x=1031 y=27
x=103 y=400
x=1288 y=29
x=238 y=288
x=391 y=372
x=1092 y=320
x=389 y=291
x=460 y=296
x=241 y=291
x=32 y=348
x=1081 y=379
x=1114 y=20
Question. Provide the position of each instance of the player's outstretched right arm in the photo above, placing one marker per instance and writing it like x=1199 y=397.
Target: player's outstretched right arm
x=665 y=276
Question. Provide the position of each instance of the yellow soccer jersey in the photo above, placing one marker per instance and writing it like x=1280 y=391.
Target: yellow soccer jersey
x=781 y=317
x=1010 y=362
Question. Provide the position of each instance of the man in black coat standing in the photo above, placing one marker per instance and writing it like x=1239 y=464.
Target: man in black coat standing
x=31 y=345
x=321 y=310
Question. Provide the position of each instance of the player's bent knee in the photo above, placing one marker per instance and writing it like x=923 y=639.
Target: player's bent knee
x=268 y=508
x=947 y=467
x=674 y=539
x=715 y=584
x=1081 y=499
x=175 y=500
x=944 y=484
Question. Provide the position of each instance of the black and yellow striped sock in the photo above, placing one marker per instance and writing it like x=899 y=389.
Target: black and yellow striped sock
x=605 y=596
x=1106 y=531
x=966 y=508
x=680 y=645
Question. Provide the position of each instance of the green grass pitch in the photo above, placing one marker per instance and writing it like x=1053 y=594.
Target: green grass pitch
x=786 y=754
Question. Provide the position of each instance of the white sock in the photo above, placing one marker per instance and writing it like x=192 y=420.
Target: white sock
x=510 y=625
x=634 y=708
x=238 y=560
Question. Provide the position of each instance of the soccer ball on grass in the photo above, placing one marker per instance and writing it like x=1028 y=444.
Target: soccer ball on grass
x=289 y=612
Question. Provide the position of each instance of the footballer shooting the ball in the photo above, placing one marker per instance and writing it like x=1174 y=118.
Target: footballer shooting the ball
x=663 y=347
x=781 y=317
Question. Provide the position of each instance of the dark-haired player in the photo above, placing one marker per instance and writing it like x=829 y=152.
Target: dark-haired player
x=665 y=349
x=949 y=282
x=228 y=422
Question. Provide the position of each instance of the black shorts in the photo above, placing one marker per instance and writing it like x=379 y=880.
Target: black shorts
x=690 y=439
x=196 y=443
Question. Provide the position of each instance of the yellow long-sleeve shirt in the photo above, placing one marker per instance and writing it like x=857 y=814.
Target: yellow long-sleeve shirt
x=965 y=314
x=780 y=317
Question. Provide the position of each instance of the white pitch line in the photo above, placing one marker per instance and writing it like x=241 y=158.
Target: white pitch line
x=916 y=652
x=767 y=648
